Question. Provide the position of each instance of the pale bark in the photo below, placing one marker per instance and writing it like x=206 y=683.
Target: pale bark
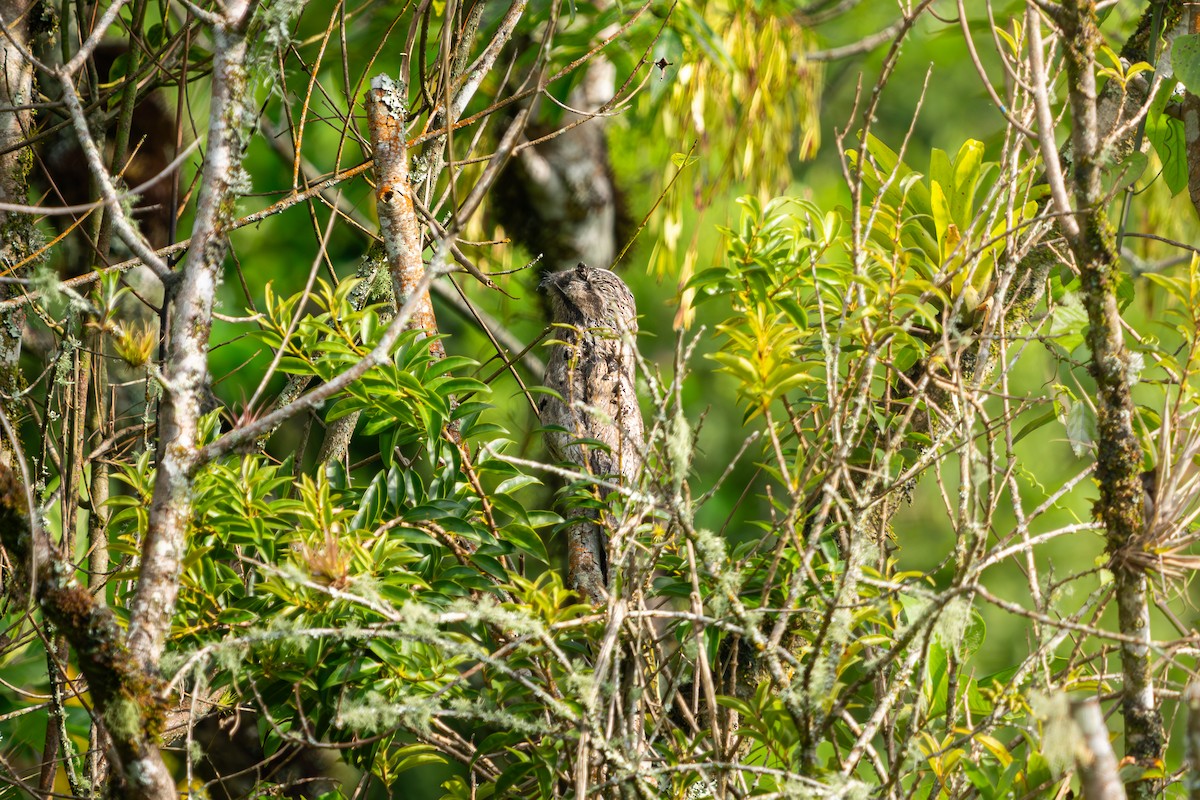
x=1095 y=761
x=1110 y=122
x=186 y=368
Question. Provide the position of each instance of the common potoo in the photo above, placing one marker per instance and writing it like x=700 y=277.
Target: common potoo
x=591 y=367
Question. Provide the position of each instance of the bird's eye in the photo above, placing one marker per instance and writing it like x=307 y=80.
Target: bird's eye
x=581 y=270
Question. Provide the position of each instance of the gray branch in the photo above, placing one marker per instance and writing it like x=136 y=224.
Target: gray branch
x=1095 y=761
x=186 y=369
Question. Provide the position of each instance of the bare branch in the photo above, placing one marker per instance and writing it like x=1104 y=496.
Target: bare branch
x=1094 y=759
x=394 y=195
x=1049 y=147
x=186 y=372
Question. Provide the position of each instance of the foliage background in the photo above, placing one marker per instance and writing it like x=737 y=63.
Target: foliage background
x=279 y=250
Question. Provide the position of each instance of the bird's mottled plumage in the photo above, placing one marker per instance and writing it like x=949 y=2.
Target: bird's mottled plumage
x=592 y=368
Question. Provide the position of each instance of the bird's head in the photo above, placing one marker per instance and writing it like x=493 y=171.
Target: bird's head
x=590 y=296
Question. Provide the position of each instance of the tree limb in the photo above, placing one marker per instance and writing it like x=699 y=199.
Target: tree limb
x=1119 y=452
x=186 y=369
x=1094 y=759
x=126 y=698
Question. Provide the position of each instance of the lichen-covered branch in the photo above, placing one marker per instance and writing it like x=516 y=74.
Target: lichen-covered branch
x=125 y=697
x=398 y=221
x=1119 y=454
x=185 y=371
x=1109 y=118
x=16 y=93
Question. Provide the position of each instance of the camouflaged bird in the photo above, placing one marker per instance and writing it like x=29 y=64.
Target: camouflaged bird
x=591 y=368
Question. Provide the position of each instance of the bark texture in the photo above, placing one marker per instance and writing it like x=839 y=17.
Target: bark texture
x=1109 y=116
x=1191 y=120
x=127 y=699
x=394 y=196
x=185 y=374
x=1094 y=758
x=16 y=91
x=592 y=370
x=559 y=198
x=1191 y=780
x=1119 y=453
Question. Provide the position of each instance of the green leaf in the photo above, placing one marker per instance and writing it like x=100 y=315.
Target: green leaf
x=941 y=218
x=455 y=364
x=940 y=169
x=904 y=357
x=1080 y=422
x=1119 y=177
x=1068 y=322
x=517 y=482
x=541 y=519
x=1185 y=60
x=526 y=540
x=740 y=706
x=236 y=616
x=682 y=160
x=1008 y=39
x=512 y=774
x=1166 y=134
x=889 y=161
x=1034 y=425
x=1176 y=287
x=968 y=165
x=794 y=311
x=417 y=755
